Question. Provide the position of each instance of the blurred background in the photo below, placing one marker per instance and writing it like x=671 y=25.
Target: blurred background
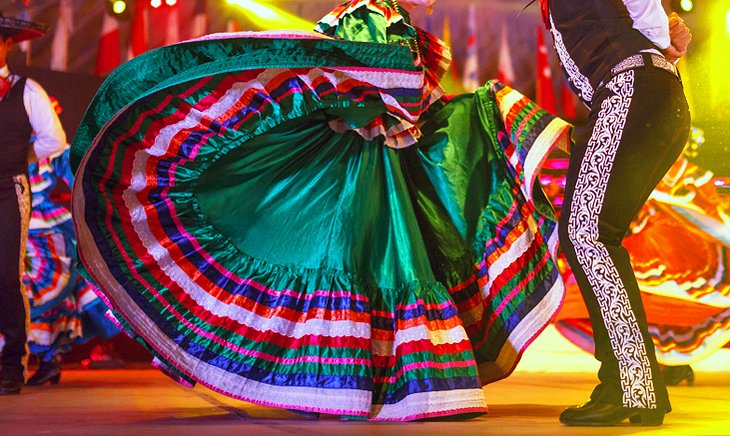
x=489 y=39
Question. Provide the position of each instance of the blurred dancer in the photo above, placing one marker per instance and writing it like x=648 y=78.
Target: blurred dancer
x=63 y=307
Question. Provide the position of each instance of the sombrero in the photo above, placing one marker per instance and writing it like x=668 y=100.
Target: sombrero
x=21 y=30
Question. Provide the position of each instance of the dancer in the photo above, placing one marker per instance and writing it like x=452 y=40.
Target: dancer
x=63 y=307
x=24 y=108
x=618 y=59
x=300 y=220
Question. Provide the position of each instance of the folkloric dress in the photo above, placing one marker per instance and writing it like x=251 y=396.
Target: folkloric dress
x=63 y=308
x=301 y=220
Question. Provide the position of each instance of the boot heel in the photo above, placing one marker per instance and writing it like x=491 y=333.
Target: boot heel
x=55 y=379
x=649 y=417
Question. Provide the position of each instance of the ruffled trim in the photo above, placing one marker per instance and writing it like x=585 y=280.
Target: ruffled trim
x=677 y=345
x=50 y=274
x=43 y=177
x=332 y=22
x=520 y=242
x=674 y=345
x=428 y=52
x=356 y=330
x=160 y=69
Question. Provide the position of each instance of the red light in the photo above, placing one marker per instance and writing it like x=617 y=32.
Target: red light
x=171 y=2
x=155 y=3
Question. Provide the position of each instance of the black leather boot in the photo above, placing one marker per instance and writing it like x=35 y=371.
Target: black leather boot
x=10 y=387
x=47 y=372
x=674 y=375
x=596 y=413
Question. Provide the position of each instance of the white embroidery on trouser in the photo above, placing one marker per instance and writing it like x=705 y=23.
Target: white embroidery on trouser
x=613 y=300
x=578 y=79
x=22 y=191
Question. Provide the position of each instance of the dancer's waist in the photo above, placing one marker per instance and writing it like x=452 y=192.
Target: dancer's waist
x=644 y=60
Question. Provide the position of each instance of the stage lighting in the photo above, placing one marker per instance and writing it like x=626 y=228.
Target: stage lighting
x=117 y=8
x=266 y=16
x=682 y=6
x=157 y=3
x=695 y=141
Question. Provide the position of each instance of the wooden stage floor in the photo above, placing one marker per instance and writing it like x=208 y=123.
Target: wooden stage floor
x=143 y=401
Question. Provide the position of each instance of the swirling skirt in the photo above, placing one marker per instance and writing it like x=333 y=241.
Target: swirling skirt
x=63 y=307
x=263 y=253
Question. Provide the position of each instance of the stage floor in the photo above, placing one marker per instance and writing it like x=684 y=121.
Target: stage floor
x=143 y=401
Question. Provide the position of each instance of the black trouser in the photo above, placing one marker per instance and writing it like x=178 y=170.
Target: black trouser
x=637 y=128
x=14 y=218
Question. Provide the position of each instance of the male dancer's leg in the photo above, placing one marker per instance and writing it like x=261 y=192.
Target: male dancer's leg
x=15 y=206
x=637 y=130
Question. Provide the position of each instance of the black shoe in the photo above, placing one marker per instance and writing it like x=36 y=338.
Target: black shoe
x=674 y=375
x=47 y=372
x=596 y=413
x=10 y=387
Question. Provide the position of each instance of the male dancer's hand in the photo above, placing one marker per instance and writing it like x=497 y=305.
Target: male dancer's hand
x=679 y=36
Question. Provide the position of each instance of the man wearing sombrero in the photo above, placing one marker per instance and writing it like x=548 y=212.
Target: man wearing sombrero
x=25 y=109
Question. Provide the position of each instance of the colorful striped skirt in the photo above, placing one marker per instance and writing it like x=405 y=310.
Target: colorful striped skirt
x=63 y=308
x=261 y=249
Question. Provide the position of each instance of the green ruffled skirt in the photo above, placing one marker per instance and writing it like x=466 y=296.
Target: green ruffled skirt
x=239 y=222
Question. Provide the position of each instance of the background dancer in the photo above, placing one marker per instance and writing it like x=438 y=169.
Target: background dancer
x=24 y=108
x=64 y=309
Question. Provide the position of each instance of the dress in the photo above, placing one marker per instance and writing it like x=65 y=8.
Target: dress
x=24 y=109
x=63 y=307
x=256 y=209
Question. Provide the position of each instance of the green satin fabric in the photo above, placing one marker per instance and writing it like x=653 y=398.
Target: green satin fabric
x=366 y=25
x=305 y=197
x=364 y=235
